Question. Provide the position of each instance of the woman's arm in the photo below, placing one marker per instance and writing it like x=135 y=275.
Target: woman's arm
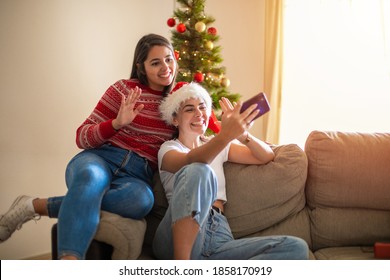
x=105 y=121
x=174 y=160
x=97 y=128
x=233 y=125
x=253 y=151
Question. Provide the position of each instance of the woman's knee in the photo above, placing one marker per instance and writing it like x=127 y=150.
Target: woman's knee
x=195 y=190
x=205 y=174
x=298 y=247
x=143 y=202
x=200 y=170
x=129 y=199
x=87 y=169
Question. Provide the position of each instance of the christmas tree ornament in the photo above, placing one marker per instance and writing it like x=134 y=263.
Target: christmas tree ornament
x=225 y=82
x=181 y=28
x=209 y=45
x=198 y=77
x=200 y=26
x=177 y=54
x=212 y=31
x=171 y=22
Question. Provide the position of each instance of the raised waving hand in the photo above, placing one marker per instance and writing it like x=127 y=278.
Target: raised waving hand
x=127 y=111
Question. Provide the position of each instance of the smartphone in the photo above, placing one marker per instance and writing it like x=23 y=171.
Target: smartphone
x=262 y=104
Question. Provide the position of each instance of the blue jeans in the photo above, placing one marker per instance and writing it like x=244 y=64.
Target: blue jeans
x=194 y=193
x=107 y=178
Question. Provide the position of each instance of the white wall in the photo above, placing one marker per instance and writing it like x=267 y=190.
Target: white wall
x=343 y=77
x=57 y=59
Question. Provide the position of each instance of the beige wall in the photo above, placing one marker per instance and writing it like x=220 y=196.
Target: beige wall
x=57 y=59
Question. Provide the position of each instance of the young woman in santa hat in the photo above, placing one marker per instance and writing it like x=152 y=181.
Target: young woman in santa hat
x=191 y=170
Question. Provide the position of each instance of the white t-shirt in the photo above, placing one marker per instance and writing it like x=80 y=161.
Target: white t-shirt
x=168 y=178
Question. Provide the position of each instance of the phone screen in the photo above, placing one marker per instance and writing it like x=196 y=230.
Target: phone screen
x=262 y=104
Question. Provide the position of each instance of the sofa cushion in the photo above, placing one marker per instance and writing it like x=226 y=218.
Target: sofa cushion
x=295 y=225
x=348 y=188
x=336 y=227
x=260 y=196
x=346 y=253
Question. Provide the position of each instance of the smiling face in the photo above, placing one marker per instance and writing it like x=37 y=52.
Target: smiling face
x=192 y=117
x=160 y=67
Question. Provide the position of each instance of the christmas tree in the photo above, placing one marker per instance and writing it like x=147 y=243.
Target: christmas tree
x=194 y=40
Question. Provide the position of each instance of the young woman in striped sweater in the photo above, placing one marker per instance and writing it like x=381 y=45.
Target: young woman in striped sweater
x=120 y=139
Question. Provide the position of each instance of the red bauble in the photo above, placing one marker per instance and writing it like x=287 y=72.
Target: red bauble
x=181 y=28
x=212 y=31
x=171 y=22
x=177 y=54
x=198 y=77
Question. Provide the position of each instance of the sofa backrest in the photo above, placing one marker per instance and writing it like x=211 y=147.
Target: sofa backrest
x=348 y=188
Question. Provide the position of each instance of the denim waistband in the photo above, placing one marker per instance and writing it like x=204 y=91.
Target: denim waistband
x=218 y=210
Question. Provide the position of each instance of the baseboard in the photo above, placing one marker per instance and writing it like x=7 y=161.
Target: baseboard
x=46 y=256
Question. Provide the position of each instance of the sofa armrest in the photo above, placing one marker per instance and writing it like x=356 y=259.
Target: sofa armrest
x=348 y=188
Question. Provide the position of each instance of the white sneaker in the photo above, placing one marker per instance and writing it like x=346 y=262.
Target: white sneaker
x=19 y=213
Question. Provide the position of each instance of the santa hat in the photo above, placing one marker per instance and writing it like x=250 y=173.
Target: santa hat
x=181 y=92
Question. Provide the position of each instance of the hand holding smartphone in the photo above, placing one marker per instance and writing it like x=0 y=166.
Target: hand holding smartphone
x=262 y=104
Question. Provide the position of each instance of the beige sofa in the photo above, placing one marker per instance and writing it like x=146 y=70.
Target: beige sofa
x=335 y=195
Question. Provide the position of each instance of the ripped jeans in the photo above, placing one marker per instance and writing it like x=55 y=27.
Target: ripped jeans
x=194 y=192
x=107 y=178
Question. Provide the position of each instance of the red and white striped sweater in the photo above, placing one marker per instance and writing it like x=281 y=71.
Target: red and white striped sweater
x=144 y=135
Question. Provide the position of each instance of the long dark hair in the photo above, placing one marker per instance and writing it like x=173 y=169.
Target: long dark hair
x=141 y=53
